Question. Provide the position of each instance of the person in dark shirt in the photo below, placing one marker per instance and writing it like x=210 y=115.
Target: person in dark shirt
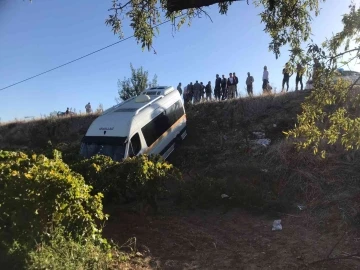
x=190 y=93
x=217 y=87
x=197 y=91
x=208 y=91
x=299 y=73
x=202 y=93
x=236 y=83
x=287 y=75
x=223 y=87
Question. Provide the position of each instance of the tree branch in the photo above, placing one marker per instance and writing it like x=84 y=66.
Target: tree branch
x=177 y=5
x=341 y=54
x=120 y=7
x=201 y=10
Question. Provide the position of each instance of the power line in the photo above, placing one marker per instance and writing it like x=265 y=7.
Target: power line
x=77 y=59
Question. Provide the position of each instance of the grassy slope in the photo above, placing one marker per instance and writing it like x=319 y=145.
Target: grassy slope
x=218 y=147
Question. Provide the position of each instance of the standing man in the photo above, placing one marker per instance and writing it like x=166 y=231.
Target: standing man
x=231 y=86
x=223 y=87
x=208 y=91
x=236 y=83
x=316 y=68
x=249 y=84
x=179 y=89
x=88 y=108
x=217 y=87
x=197 y=92
x=286 y=73
x=299 y=73
x=202 y=90
x=265 y=79
x=185 y=94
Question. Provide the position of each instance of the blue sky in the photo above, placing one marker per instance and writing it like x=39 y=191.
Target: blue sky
x=40 y=35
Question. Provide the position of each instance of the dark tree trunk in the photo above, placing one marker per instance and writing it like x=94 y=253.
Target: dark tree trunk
x=176 y=5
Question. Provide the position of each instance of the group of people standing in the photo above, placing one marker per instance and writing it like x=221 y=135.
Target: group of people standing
x=300 y=70
x=227 y=88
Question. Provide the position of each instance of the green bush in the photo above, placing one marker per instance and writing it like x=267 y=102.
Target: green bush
x=143 y=178
x=67 y=254
x=93 y=171
x=38 y=194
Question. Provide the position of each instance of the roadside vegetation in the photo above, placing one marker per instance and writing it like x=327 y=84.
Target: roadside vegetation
x=220 y=156
x=293 y=154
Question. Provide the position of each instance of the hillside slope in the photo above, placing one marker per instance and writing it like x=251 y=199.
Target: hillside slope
x=262 y=112
x=221 y=156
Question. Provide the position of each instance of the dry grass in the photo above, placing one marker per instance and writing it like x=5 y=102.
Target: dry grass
x=36 y=134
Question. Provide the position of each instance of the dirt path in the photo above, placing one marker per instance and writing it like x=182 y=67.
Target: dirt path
x=236 y=240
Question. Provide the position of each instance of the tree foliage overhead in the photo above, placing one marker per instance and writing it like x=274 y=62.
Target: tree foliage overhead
x=138 y=82
x=331 y=114
x=286 y=21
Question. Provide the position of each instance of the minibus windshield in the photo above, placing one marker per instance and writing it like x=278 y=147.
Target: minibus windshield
x=113 y=147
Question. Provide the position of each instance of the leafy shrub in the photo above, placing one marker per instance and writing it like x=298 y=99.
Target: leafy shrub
x=67 y=254
x=38 y=193
x=330 y=117
x=93 y=170
x=143 y=178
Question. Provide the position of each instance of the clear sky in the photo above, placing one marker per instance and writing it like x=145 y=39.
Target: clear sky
x=40 y=35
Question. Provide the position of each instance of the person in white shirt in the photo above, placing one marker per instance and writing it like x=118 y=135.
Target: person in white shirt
x=265 y=79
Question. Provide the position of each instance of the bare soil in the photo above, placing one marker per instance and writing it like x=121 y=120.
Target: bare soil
x=234 y=240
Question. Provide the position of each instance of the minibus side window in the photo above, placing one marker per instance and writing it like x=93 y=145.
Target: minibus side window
x=175 y=112
x=135 y=145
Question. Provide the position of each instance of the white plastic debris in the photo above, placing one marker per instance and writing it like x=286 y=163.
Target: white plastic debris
x=263 y=142
x=277 y=225
x=274 y=125
x=265 y=170
x=223 y=196
x=301 y=207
